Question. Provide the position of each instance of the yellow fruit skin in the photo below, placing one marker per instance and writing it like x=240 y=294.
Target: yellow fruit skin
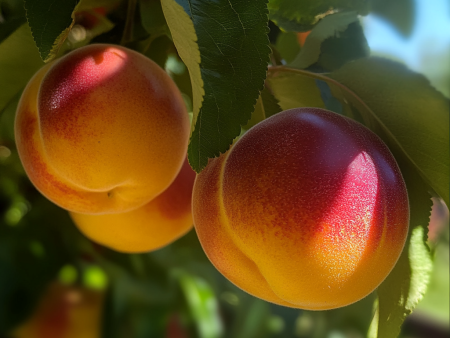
x=150 y=227
x=101 y=130
x=308 y=209
x=65 y=312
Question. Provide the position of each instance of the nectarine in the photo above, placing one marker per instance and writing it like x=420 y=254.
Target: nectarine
x=308 y=209
x=65 y=312
x=150 y=227
x=102 y=130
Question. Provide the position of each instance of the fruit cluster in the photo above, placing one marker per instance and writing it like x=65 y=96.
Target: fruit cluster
x=308 y=209
x=103 y=133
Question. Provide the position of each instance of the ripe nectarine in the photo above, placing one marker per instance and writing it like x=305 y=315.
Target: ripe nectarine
x=308 y=209
x=102 y=130
x=150 y=227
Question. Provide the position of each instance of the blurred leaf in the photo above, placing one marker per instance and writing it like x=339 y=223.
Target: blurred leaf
x=12 y=16
x=19 y=60
x=294 y=90
x=203 y=305
x=8 y=27
x=355 y=317
x=95 y=278
x=35 y=253
x=405 y=286
x=436 y=301
x=252 y=318
x=415 y=114
x=266 y=106
x=158 y=49
x=68 y=274
x=8 y=294
x=347 y=46
x=103 y=25
x=90 y=4
x=152 y=16
x=329 y=27
x=7 y=117
x=50 y=24
x=301 y=16
x=400 y=13
x=233 y=43
x=287 y=45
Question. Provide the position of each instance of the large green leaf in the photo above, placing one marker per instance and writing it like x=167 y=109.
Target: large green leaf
x=233 y=44
x=302 y=15
x=50 y=24
x=19 y=60
x=405 y=286
x=416 y=115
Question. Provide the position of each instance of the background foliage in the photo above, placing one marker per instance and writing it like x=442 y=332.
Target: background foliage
x=218 y=53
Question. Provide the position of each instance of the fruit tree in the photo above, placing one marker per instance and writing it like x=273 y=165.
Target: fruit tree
x=224 y=168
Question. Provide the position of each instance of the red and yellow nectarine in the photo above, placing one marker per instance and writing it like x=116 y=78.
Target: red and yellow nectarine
x=150 y=227
x=102 y=130
x=308 y=209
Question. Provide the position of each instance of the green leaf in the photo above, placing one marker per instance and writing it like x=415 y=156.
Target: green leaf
x=152 y=16
x=436 y=301
x=301 y=16
x=415 y=114
x=287 y=45
x=400 y=13
x=347 y=46
x=233 y=43
x=292 y=89
x=50 y=24
x=252 y=318
x=405 y=286
x=12 y=16
x=329 y=27
x=185 y=40
x=19 y=60
x=203 y=305
x=7 y=118
x=266 y=106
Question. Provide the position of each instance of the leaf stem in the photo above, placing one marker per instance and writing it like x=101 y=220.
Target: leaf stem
x=128 y=30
